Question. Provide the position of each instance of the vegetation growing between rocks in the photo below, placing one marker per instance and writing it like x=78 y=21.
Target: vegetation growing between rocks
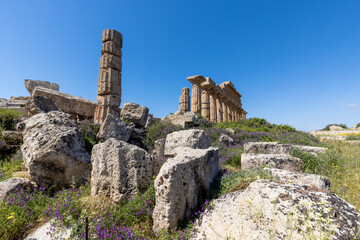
x=7 y=118
x=89 y=131
x=327 y=128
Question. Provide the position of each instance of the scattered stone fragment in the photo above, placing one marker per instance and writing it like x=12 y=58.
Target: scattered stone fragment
x=281 y=161
x=270 y=210
x=225 y=139
x=114 y=127
x=31 y=84
x=277 y=148
x=54 y=150
x=181 y=183
x=192 y=138
x=183 y=119
x=135 y=113
x=120 y=170
x=335 y=128
x=38 y=104
x=299 y=178
x=230 y=130
x=12 y=185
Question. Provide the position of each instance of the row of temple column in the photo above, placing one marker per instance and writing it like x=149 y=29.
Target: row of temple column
x=215 y=103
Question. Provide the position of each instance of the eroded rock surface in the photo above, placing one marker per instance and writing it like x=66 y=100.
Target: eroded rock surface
x=192 y=138
x=114 y=127
x=181 y=183
x=54 y=150
x=277 y=148
x=269 y=210
x=281 y=161
x=183 y=119
x=120 y=170
x=135 y=113
x=12 y=185
x=31 y=84
x=38 y=104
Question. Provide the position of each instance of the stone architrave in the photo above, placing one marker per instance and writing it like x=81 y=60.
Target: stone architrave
x=196 y=92
x=184 y=100
x=213 y=114
x=109 y=84
x=225 y=113
x=205 y=104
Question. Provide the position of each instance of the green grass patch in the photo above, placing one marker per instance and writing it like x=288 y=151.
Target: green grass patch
x=9 y=165
x=353 y=137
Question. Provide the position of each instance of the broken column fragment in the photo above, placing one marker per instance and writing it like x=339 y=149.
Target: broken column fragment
x=184 y=100
x=109 y=84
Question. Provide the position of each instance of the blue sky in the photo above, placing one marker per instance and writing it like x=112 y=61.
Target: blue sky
x=294 y=62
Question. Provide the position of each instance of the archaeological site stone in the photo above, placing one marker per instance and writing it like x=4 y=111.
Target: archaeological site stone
x=281 y=161
x=38 y=104
x=184 y=100
x=114 y=127
x=78 y=107
x=225 y=139
x=120 y=170
x=277 y=148
x=12 y=185
x=183 y=119
x=135 y=113
x=196 y=92
x=109 y=84
x=31 y=84
x=54 y=150
x=335 y=128
x=181 y=183
x=299 y=178
x=192 y=138
x=270 y=210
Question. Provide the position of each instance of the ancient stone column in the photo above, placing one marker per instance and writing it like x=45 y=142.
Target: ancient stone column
x=196 y=93
x=184 y=100
x=225 y=112
x=205 y=104
x=219 y=111
x=109 y=84
x=213 y=113
x=228 y=105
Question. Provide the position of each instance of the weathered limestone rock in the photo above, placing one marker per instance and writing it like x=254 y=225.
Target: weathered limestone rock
x=54 y=150
x=299 y=178
x=149 y=120
x=120 y=170
x=135 y=113
x=12 y=185
x=18 y=105
x=31 y=84
x=76 y=106
x=38 y=104
x=225 y=139
x=335 y=128
x=281 y=161
x=269 y=210
x=230 y=130
x=181 y=183
x=277 y=148
x=183 y=119
x=192 y=138
x=109 y=84
x=184 y=100
x=114 y=127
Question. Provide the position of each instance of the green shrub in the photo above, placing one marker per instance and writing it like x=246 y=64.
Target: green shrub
x=7 y=118
x=9 y=165
x=327 y=128
x=353 y=137
x=89 y=131
x=358 y=125
x=159 y=130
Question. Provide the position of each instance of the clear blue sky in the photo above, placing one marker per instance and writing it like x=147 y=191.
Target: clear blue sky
x=294 y=62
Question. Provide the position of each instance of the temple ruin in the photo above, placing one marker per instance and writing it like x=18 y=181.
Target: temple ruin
x=109 y=85
x=215 y=103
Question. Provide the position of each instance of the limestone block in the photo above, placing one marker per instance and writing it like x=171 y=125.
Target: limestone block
x=184 y=100
x=335 y=128
x=306 y=210
x=31 y=84
x=114 y=127
x=192 y=138
x=299 y=178
x=225 y=139
x=102 y=111
x=281 y=161
x=109 y=100
x=120 y=170
x=135 y=113
x=110 y=61
x=112 y=47
x=11 y=185
x=109 y=82
x=68 y=103
x=54 y=150
x=112 y=35
x=277 y=148
x=181 y=183
x=183 y=119
x=38 y=104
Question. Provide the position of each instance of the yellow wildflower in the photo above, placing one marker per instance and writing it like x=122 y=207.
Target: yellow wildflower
x=11 y=217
